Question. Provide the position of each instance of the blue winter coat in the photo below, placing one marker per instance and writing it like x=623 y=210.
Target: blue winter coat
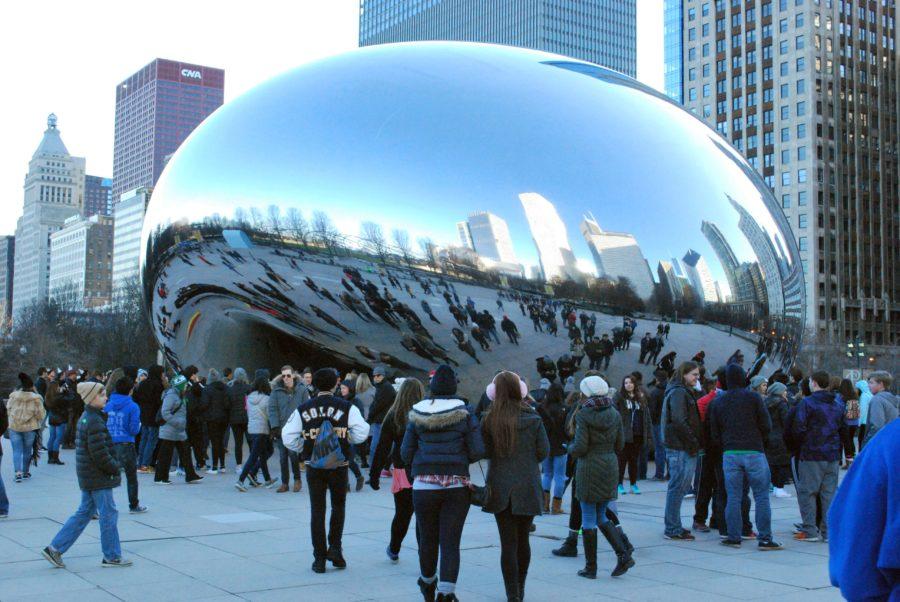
x=123 y=418
x=442 y=437
x=817 y=425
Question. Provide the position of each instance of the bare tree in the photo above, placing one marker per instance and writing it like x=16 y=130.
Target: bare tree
x=401 y=239
x=430 y=251
x=297 y=225
x=274 y=214
x=373 y=236
x=240 y=218
x=256 y=219
x=325 y=232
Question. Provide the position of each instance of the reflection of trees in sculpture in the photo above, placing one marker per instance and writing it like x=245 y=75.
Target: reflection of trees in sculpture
x=256 y=219
x=240 y=218
x=430 y=251
x=373 y=237
x=297 y=225
x=274 y=215
x=401 y=239
x=324 y=231
x=619 y=294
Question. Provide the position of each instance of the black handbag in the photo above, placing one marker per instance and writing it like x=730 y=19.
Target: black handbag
x=478 y=495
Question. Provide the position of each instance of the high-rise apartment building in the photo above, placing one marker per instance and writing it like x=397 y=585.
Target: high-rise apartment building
x=128 y=221
x=156 y=109
x=81 y=261
x=490 y=237
x=599 y=31
x=550 y=238
x=697 y=271
x=807 y=91
x=54 y=192
x=7 y=267
x=97 y=196
x=618 y=255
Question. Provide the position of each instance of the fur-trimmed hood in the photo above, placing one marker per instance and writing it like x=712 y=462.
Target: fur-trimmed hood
x=437 y=414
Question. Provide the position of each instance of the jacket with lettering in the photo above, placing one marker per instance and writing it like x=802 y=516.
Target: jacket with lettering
x=817 y=425
x=302 y=428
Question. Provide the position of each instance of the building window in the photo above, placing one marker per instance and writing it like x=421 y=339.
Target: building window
x=802 y=243
x=706 y=49
x=801 y=109
x=783 y=26
x=801 y=64
x=692 y=74
x=768 y=116
x=785 y=134
x=786 y=201
x=801 y=86
x=801 y=198
x=783 y=47
x=692 y=94
x=785 y=90
x=801 y=221
x=692 y=14
x=736 y=82
x=704 y=10
x=706 y=70
x=801 y=130
x=784 y=68
x=785 y=156
x=692 y=34
x=799 y=44
x=706 y=90
x=801 y=153
x=769 y=160
x=785 y=178
x=706 y=110
x=769 y=138
x=785 y=112
x=705 y=30
x=801 y=176
x=692 y=54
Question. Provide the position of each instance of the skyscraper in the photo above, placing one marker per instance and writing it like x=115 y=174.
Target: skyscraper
x=807 y=90
x=697 y=272
x=673 y=47
x=156 y=109
x=617 y=255
x=97 y=196
x=128 y=221
x=767 y=256
x=7 y=267
x=81 y=261
x=465 y=237
x=490 y=237
x=599 y=31
x=54 y=192
x=550 y=237
x=738 y=278
x=669 y=279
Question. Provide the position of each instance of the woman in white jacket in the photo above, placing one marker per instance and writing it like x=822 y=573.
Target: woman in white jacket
x=258 y=433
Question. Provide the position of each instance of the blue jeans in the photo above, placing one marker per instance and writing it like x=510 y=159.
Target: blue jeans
x=553 y=473
x=681 y=472
x=149 y=438
x=260 y=451
x=375 y=431
x=593 y=514
x=100 y=501
x=56 y=435
x=739 y=470
x=4 y=501
x=21 y=445
x=659 y=452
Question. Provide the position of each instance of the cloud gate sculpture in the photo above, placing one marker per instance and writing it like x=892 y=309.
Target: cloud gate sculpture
x=410 y=204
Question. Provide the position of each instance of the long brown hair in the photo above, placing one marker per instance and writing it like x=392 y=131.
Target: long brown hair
x=501 y=421
x=411 y=392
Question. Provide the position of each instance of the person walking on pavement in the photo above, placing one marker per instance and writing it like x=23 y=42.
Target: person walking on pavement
x=124 y=423
x=286 y=397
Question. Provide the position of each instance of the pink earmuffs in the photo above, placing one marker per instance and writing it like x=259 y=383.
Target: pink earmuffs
x=491 y=390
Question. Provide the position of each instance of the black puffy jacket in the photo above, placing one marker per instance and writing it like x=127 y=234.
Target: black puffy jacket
x=237 y=402
x=215 y=398
x=95 y=462
x=148 y=396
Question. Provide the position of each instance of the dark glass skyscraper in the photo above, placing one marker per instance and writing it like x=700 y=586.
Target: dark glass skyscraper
x=97 y=196
x=673 y=47
x=599 y=31
x=156 y=109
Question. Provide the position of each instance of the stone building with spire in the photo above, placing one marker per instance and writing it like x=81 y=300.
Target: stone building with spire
x=54 y=192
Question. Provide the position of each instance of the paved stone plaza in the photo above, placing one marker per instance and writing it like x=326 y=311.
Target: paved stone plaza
x=209 y=542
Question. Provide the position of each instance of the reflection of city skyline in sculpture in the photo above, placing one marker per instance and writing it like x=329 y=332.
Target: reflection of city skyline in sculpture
x=550 y=237
x=700 y=277
x=668 y=278
x=465 y=237
x=618 y=255
x=766 y=256
x=490 y=237
x=739 y=278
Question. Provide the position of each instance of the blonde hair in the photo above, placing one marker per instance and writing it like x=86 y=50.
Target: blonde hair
x=363 y=383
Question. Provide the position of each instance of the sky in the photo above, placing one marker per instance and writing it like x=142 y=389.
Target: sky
x=67 y=57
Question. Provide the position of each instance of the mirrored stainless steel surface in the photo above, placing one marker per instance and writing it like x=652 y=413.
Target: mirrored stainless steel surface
x=348 y=212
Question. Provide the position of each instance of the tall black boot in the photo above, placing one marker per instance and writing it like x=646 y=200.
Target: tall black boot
x=623 y=556
x=625 y=540
x=590 y=554
x=569 y=548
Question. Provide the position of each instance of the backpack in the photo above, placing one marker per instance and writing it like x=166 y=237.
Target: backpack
x=852 y=412
x=326 y=452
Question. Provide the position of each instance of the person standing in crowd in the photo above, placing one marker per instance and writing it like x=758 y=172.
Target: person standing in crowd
x=883 y=407
x=348 y=391
x=777 y=454
x=817 y=426
x=865 y=396
x=849 y=396
x=124 y=423
x=58 y=414
x=238 y=390
x=285 y=398
x=553 y=469
x=258 y=431
x=4 y=500
x=215 y=399
x=98 y=474
x=599 y=436
x=173 y=433
x=365 y=393
x=515 y=443
x=321 y=430
x=69 y=393
x=196 y=404
x=442 y=438
x=606 y=351
x=681 y=436
x=26 y=414
x=654 y=402
x=382 y=402
x=739 y=425
x=388 y=454
x=864 y=530
x=148 y=396
x=632 y=405
x=709 y=462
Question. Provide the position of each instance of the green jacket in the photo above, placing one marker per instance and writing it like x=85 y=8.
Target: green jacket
x=598 y=436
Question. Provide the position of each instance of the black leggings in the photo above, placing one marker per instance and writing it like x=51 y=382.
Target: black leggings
x=217 y=440
x=848 y=434
x=629 y=457
x=515 y=550
x=239 y=431
x=164 y=460
x=440 y=517
x=403 y=511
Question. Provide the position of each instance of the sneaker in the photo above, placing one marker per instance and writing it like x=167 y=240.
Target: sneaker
x=27 y=475
x=240 y=486
x=18 y=478
x=271 y=483
x=195 y=480
x=798 y=527
x=804 y=536
x=138 y=509
x=238 y=468
x=750 y=535
x=143 y=470
x=394 y=557
x=116 y=562
x=685 y=535
x=689 y=496
x=163 y=482
x=4 y=515
x=252 y=480
x=781 y=493
x=769 y=544
x=731 y=543
x=212 y=471
x=95 y=516
x=622 y=490
x=635 y=490
x=701 y=527
x=54 y=557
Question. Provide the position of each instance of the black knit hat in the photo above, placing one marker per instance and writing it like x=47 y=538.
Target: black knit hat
x=444 y=381
x=25 y=381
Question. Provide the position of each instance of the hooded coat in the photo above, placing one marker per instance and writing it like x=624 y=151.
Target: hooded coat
x=598 y=439
x=777 y=452
x=26 y=411
x=215 y=397
x=174 y=412
x=739 y=421
x=817 y=427
x=442 y=437
x=680 y=419
x=865 y=396
x=257 y=413
x=238 y=391
x=283 y=402
x=514 y=481
x=123 y=418
x=883 y=408
x=148 y=396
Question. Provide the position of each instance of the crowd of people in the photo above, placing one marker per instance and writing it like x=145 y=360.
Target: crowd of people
x=728 y=438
